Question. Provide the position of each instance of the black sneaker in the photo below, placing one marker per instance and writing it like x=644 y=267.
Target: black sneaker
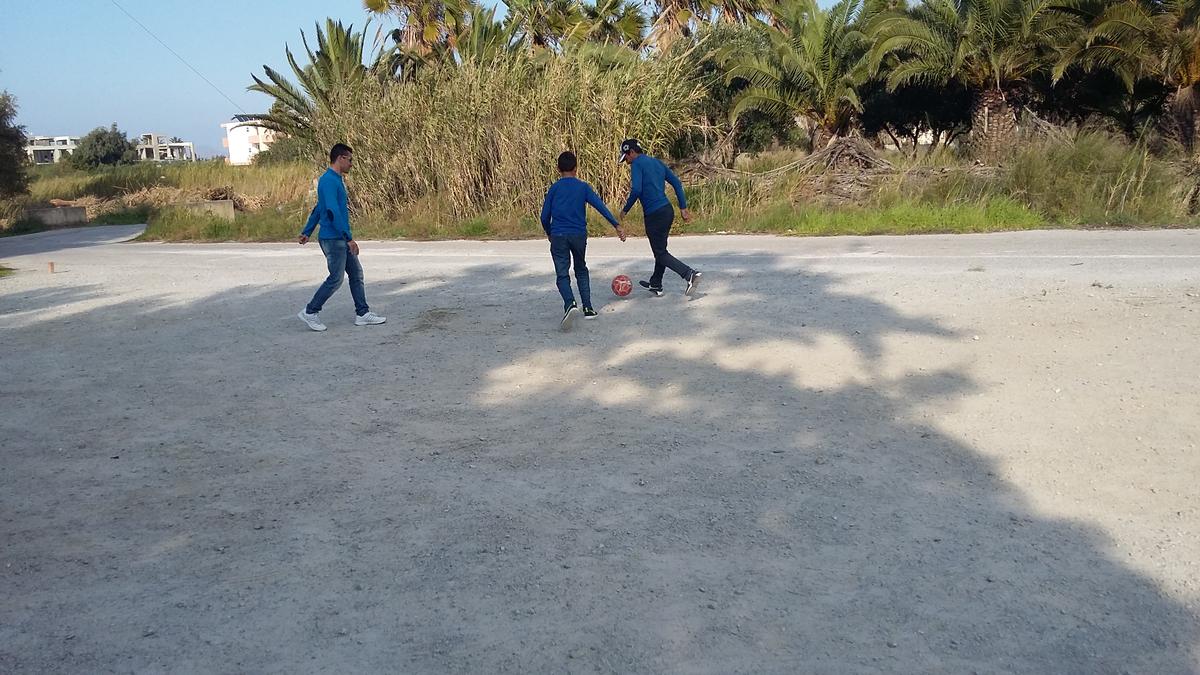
x=656 y=290
x=693 y=282
x=568 y=319
x=589 y=313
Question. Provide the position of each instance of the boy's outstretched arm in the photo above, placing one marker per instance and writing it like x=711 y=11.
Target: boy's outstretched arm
x=678 y=187
x=597 y=203
x=546 y=211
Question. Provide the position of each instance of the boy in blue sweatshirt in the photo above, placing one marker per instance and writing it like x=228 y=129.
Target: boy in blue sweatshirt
x=337 y=243
x=648 y=179
x=564 y=217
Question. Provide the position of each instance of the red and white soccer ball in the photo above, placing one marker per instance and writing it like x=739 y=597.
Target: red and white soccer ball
x=621 y=285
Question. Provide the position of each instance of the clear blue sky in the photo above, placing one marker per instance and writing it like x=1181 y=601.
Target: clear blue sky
x=74 y=65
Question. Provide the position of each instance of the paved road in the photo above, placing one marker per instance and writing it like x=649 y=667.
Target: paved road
x=1170 y=251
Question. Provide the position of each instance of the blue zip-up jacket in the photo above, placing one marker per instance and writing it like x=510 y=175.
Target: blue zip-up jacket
x=565 y=210
x=648 y=179
x=331 y=212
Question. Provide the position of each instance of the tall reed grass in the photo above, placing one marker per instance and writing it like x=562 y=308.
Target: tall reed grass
x=477 y=163
x=482 y=138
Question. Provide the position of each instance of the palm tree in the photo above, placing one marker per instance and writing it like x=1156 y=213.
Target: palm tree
x=620 y=22
x=481 y=37
x=337 y=61
x=673 y=20
x=741 y=11
x=1139 y=40
x=425 y=23
x=676 y=19
x=989 y=46
x=813 y=71
x=545 y=23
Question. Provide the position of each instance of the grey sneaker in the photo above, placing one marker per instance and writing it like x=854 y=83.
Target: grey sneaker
x=369 y=319
x=568 y=319
x=693 y=282
x=311 y=320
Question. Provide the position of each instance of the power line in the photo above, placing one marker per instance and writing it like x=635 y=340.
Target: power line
x=181 y=59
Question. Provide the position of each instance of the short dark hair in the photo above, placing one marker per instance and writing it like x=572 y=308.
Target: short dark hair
x=337 y=151
x=567 y=162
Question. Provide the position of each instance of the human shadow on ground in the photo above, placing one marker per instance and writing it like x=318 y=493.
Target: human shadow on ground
x=704 y=486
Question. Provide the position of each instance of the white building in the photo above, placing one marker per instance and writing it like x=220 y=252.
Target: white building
x=244 y=139
x=50 y=149
x=159 y=148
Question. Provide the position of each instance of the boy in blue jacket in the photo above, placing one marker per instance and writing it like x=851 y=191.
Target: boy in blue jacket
x=648 y=178
x=564 y=217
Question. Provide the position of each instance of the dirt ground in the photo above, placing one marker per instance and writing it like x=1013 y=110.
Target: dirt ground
x=926 y=454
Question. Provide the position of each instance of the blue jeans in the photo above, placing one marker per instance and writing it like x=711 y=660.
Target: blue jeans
x=562 y=249
x=658 y=228
x=341 y=264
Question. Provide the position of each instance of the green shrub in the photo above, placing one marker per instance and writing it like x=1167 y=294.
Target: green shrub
x=171 y=224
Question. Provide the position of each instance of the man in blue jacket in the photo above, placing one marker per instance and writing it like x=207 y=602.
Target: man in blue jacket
x=337 y=243
x=564 y=217
x=648 y=179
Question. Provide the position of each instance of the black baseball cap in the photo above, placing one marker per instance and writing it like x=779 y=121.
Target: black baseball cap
x=628 y=145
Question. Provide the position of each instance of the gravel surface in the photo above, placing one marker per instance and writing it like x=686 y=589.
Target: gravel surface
x=970 y=453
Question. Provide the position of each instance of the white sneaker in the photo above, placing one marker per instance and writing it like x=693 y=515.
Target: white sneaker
x=311 y=321
x=369 y=319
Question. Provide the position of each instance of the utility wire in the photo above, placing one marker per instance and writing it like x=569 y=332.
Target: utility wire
x=181 y=59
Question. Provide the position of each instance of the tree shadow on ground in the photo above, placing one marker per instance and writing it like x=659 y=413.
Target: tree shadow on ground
x=704 y=486
x=75 y=237
x=17 y=303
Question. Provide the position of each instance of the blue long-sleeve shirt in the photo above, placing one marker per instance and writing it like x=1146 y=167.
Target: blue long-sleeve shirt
x=648 y=179
x=564 y=212
x=331 y=212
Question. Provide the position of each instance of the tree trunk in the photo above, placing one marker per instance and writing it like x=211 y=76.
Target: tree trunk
x=820 y=136
x=1194 y=114
x=723 y=151
x=933 y=144
x=1188 y=111
x=1182 y=120
x=993 y=125
x=895 y=141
